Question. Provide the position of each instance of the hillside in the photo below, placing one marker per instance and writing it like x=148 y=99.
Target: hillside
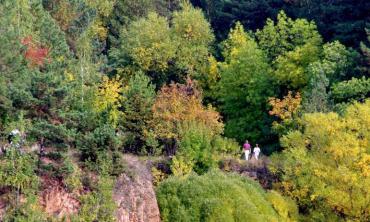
x=184 y=110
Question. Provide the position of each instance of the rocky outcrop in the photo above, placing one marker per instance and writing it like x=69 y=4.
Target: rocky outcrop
x=59 y=203
x=134 y=194
x=55 y=200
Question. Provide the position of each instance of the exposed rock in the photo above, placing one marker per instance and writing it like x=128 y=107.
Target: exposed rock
x=135 y=194
x=3 y=205
x=59 y=203
x=56 y=201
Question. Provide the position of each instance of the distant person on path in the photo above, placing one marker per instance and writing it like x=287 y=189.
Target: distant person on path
x=247 y=149
x=256 y=151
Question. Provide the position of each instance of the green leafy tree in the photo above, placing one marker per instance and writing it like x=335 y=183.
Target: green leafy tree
x=244 y=87
x=138 y=113
x=192 y=36
x=196 y=146
x=354 y=89
x=286 y=34
x=147 y=45
x=98 y=205
x=366 y=52
x=316 y=97
x=125 y=12
x=165 y=52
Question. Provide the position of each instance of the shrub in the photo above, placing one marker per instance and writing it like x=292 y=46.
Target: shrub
x=101 y=139
x=98 y=205
x=285 y=207
x=214 y=196
x=180 y=166
x=226 y=145
x=158 y=176
x=29 y=211
x=196 y=146
x=72 y=175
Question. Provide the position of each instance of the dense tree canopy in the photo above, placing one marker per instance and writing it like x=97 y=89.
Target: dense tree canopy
x=185 y=83
x=336 y=20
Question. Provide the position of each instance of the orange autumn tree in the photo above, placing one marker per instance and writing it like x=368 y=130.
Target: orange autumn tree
x=35 y=54
x=285 y=110
x=178 y=103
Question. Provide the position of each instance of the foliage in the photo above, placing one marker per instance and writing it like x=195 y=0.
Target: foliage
x=225 y=145
x=72 y=179
x=148 y=43
x=286 y=108
x=138 y=114
x=18 y=170
x=287 y=111
x=34 y=54
x=212 y=197
x=195 y=147
x=327 y=164
x=316 y=97
x=286 y=35
x=101 y=139
x=285 y=207
x=178 y=103
x=332 y=18
x=292 y=66
x=98 y=205
x=158 y=176
x=109 y=98
x=244 y=87
x=83 y=74
x=192 y=36
x=354 y=89
x=252 y=14
x=181 y=166
x=29 y=211
x=366 y=52
x=165 y=51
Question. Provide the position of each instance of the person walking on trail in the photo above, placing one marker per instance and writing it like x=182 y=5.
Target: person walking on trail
x=247 y=149
x=256 y=151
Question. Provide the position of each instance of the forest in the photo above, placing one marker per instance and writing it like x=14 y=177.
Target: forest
x=89 y=89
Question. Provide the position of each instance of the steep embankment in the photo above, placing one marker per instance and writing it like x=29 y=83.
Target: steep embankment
x=133 y=190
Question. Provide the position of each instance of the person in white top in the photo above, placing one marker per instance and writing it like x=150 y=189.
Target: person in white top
x=256 y=151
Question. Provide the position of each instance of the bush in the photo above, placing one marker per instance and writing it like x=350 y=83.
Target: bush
x=98 y=205
x=196 y=146
x=101 y=139
x=180 y=166
x=199 y=149
x=158 y=176
x=226 y=145
x=285 y=207
x=29 y=211
x=214 y=196
x=72 y=175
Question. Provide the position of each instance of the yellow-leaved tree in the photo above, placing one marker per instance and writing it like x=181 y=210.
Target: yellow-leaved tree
x=108 y=98
x=326 y=166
